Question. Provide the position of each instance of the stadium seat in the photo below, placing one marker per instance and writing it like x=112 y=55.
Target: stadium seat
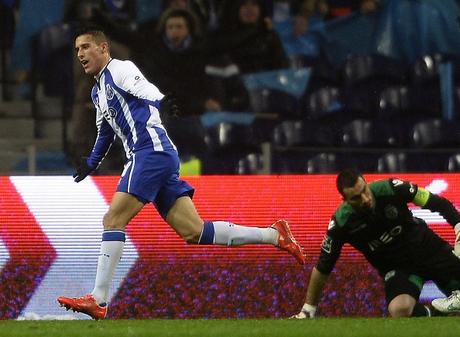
x=426 y=87
x=371 y=133
x=363 y=68
x=392 y=162
x=250 y=164
x=289 y=133
x=426 y=68
x=267 y=100
x=226 y=144
x=394 y=101
x=295 y=133
x=453 y=164
x=358 y=132
x=324 y=162
x=435 y=133
x=324 y=103
x=365 y=77
x=224 y=137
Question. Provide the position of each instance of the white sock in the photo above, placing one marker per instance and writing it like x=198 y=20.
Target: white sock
x=109 y=256
x=227 y=233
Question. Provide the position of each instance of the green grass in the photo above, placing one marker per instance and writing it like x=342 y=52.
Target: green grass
x=345 y=327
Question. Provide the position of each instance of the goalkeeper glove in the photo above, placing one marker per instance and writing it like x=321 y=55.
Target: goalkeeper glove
x=457 y=240
x=82 y=170
x=307 y=311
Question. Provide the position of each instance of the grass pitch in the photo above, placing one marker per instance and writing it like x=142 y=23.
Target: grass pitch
x=344 y=327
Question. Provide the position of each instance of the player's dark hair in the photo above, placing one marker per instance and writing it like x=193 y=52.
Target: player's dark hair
x=93 y=30
x=347 y=178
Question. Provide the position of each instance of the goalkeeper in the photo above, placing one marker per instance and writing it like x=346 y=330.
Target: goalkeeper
x=374 y=219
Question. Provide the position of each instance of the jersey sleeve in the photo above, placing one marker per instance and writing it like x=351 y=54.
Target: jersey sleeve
x=104 y=140
x=134 y=82
x=331 y=247
x=421 y=197
x=407 y=191
x=436 y=203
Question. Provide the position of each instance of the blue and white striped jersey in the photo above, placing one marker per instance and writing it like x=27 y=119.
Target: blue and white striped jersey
x=127 y=106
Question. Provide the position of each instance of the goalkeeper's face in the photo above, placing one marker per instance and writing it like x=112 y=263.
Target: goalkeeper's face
x=359 y=196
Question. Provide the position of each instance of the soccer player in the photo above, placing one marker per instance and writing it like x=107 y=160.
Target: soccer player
x=128 y=106
x=374 y=219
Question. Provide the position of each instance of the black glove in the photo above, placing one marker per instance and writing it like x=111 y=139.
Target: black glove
x=169 y=105
x=82 y=170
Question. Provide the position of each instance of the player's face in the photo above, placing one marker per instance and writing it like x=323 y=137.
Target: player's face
x=93 y=56
x=359 y=196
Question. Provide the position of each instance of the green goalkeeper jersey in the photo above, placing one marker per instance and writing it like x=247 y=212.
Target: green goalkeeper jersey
x=389 y=236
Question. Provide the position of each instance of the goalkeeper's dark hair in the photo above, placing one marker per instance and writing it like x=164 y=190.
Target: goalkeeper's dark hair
x=93 y=30
x=347 y=178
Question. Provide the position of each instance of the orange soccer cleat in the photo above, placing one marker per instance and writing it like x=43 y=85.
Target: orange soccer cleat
x=85 y=304
x=287 y=242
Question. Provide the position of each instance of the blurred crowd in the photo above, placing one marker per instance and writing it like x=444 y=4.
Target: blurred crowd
x=197 y=49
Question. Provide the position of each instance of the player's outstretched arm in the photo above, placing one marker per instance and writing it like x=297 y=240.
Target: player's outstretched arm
x=440 y=204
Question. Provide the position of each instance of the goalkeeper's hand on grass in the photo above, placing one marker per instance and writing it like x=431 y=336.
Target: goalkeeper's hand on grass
x=83 y=170
x=457 y=240
x=307 y=311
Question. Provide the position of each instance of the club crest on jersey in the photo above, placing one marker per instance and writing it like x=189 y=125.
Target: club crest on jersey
x=111 y=113
x=391 y=212
x=109 y=92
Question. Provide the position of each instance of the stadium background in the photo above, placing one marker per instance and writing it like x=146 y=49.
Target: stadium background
x=386 y=74
x=50 y=233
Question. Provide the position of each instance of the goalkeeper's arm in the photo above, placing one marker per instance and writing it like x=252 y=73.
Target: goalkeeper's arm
x=440 y=204
x=315 y=289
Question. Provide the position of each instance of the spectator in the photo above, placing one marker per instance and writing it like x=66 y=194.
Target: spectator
x=247 y=37
x=176 y=62
x=208 y=11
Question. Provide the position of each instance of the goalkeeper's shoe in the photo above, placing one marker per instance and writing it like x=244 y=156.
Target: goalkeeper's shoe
x=449 y=304
x=86 y=304
x=287 y=242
